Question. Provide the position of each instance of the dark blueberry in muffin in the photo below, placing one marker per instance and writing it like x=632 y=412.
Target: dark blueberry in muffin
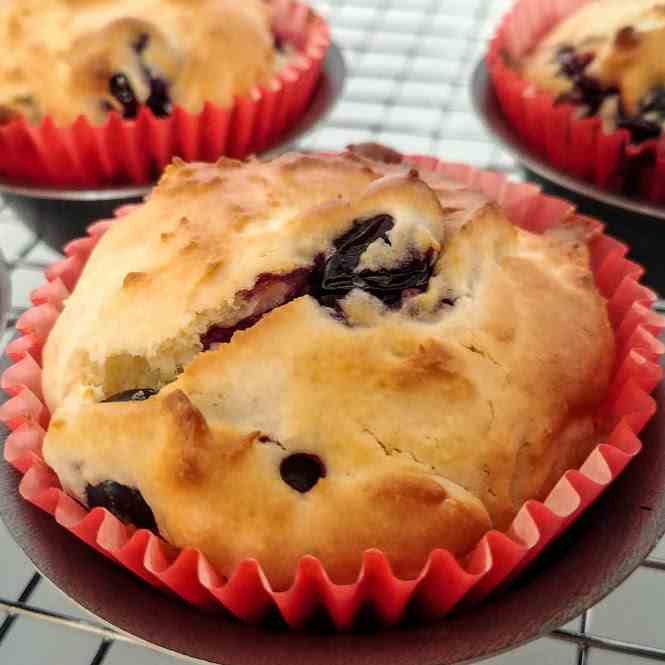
x=587 y=91
x=302 y=471
x=126 y=503
x=133 y=395
x=121 y=89
x=337 y=275
x=648 y=123
x=159 y=101
x=573 y=63
x=593 y=93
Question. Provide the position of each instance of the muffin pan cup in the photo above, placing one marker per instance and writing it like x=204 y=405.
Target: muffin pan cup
x=577 y=146
x=134 y=152
x=445 y=583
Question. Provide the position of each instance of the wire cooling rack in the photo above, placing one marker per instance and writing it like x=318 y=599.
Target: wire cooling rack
x=409 y=65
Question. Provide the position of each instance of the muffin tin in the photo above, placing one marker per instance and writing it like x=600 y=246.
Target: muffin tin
x=58 y=215
x=640 y=224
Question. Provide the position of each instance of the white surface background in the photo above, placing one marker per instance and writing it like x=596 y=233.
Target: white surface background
x=409 y=65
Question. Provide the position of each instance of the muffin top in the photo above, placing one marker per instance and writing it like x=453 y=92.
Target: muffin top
x=607 y=57
x=66 y=58
x=264 y=347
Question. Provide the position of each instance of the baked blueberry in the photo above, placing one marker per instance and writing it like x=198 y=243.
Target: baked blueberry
x=121 y=89
x=159 y=101
x=126 y=503
x=586 y=91
x=573 y=63
x=648 y=122
x=302 y=471
x=337 y=275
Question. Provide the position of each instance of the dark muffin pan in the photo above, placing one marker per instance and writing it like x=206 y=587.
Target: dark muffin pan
x=639 y=224
x=592 y=558
x=60 y=215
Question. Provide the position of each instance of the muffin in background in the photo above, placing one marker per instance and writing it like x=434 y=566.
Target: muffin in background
x=107 y=92
x=607 y=59
x=65 y=58
x=583 y=83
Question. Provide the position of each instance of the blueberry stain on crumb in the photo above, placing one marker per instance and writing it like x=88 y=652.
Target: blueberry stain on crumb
x=223 y=335
x=126 y=503
x=297 y=283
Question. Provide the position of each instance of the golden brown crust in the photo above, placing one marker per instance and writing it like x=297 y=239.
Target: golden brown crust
x=434 y=420
x=626 y=40
x=60 y=55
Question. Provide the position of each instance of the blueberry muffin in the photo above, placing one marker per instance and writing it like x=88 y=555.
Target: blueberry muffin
x=320 y=355
x=66 y=58
x=607 y=58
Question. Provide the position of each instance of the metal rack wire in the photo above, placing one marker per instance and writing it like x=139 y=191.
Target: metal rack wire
x=409 y=65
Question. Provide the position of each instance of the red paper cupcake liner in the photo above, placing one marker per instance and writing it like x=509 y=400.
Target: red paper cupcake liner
x=444 y=582
x=136 y=151
x=578 y=146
